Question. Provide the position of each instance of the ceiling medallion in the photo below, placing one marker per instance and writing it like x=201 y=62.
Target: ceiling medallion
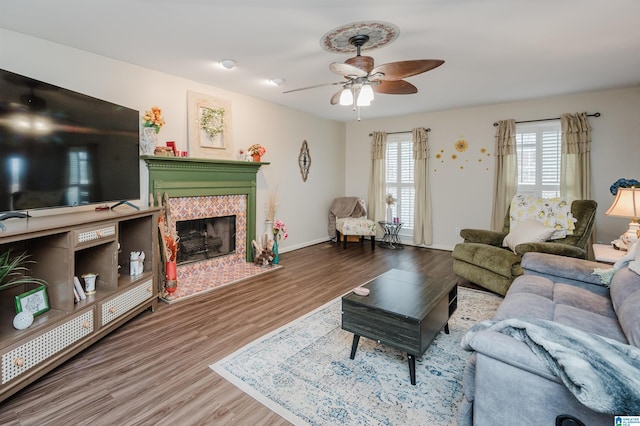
x=380 y=34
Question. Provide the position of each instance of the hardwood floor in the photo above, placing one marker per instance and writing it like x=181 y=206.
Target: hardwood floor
x=154 y=370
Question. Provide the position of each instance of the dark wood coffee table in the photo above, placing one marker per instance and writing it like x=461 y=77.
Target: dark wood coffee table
x=404 y=310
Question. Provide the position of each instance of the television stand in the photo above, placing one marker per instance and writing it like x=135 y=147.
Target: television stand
x=61 y=247
x=119 y=203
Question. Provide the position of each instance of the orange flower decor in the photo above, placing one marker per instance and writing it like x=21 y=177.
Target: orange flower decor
x=461 y=145
x=257 y=149
x=153 y=118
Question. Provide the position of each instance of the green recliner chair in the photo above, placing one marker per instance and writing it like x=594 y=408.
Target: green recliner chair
x=482 y=260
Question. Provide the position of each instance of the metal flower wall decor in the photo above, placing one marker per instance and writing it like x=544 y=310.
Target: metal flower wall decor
x=304 y=161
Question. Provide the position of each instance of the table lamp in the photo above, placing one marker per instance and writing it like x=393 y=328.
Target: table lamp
x=627 y=204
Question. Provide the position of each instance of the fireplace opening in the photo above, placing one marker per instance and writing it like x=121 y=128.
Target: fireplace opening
x=206 y=238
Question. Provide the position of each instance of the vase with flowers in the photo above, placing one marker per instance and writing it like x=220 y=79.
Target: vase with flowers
x=256 y=150
x=279 y=232
x=152 y=121
x=390 y=200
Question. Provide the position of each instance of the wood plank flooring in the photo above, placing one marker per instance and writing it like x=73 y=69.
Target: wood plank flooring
x=154 y=370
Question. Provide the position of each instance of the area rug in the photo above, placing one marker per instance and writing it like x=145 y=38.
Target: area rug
x=302 y=371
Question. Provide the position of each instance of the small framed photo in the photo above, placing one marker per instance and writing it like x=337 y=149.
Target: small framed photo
x=34 y=301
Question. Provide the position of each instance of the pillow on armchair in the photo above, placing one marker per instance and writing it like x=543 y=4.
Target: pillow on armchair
x=527 y=231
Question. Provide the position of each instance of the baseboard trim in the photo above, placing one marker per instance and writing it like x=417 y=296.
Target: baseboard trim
x=324 y=240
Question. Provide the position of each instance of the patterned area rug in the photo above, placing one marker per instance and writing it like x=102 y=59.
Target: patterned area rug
x=302 y=371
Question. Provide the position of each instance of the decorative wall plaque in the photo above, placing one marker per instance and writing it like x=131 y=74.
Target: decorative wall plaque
x=304 y=161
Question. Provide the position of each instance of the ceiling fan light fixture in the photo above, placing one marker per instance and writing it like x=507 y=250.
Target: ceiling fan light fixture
x=346 y=97
x=363 y=102
x=366 y=95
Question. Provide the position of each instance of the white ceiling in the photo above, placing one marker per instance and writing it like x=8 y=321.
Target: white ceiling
x=494 y=50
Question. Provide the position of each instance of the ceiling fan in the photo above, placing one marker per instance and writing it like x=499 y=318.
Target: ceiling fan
x=362 y=79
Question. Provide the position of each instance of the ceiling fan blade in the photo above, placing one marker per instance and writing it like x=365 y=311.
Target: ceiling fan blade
x=395 y=87
x=315 y=86
x=403 y=69
x=335 y=99
x=346 y=70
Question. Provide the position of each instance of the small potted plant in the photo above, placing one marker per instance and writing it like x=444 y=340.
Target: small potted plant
x=13 y=271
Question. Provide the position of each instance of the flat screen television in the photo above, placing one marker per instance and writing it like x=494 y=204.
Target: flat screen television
x=62 y=148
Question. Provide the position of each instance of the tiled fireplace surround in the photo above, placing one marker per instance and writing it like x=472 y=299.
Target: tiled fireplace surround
x=203 y=207
x=200 y=188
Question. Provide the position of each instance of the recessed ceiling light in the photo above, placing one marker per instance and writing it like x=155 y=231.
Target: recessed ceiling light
x=277 y=81
x=228 y=63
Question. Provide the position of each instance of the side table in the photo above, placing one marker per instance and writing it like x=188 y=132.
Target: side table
x=391 y=239
x=606 y=253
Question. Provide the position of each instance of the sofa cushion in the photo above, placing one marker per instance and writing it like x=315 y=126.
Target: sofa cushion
x=527 y=231
x=534 y=285
x=624 y=283
x=625 y=297
x=589 y=322
x=629 y=317
x=495 y=259
x=555 y=268
x=570 y=295
x=356 y=226
x=521 y=305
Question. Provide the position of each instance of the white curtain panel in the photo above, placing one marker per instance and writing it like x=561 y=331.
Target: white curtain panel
x=506 y=173
x=422 y=222
x=575 y=163
x=377 y=180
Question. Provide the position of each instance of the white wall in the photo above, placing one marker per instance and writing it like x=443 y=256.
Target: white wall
x=462 y=189
x=303 y=206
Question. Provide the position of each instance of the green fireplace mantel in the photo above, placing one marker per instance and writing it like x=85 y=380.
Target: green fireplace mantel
x=193 y=177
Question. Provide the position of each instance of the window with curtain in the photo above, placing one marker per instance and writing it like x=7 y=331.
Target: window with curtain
x=399 y=178
x=539 y=152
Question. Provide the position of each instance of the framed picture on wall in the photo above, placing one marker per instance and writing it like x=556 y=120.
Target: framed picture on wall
x=210 y=130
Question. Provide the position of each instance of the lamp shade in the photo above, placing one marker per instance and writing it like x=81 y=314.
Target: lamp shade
x=626 y=204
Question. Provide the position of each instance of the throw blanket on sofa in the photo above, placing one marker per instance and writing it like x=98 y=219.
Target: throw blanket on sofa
x=344 y=207
x=601 y=373
x=629 y=259
x=552 y=212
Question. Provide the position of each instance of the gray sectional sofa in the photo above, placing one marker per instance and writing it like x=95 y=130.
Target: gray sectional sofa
x=562 y=343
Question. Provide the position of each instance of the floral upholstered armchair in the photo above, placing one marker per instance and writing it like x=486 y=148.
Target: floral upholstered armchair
x=348 y=216
x=491 y=259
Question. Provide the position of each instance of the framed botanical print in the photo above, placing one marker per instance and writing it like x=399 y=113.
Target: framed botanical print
x=210 y=134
